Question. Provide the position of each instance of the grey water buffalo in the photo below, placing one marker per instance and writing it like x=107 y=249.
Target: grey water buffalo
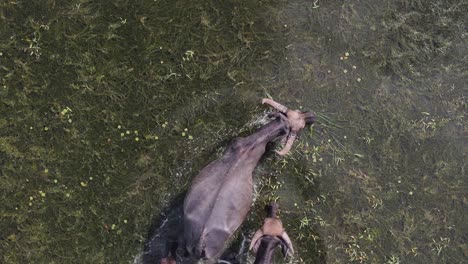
x=269 y=237
x=221 y=194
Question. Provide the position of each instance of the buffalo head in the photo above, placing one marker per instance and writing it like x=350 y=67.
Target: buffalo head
x=297 y=121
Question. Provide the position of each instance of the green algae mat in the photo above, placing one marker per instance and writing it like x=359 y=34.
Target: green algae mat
x=109 y=108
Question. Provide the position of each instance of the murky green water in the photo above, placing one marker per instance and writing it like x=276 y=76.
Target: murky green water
x=109 y=108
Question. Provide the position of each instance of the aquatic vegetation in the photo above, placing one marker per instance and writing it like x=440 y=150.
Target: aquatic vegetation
x=78 y=78
x=394 y=260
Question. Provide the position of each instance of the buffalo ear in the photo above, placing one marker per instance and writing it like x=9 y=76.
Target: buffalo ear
x=255 y=243
x=286 y=245
x=274 y=115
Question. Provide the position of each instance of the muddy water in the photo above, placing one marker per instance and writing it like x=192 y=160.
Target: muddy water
x=109 y=108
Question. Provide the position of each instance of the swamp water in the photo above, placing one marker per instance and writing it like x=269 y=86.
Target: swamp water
x=109 y=108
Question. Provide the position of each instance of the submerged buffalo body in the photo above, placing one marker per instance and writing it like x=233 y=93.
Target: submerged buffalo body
x=221 y=195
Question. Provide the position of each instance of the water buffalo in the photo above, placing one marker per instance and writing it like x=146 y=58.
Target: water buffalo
x=221 y=194
x=269 y=237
